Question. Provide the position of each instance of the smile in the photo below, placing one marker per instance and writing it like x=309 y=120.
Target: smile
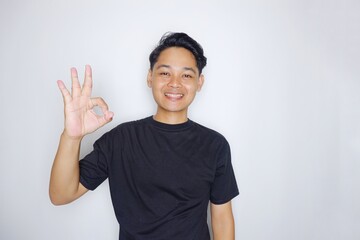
x=174 y=95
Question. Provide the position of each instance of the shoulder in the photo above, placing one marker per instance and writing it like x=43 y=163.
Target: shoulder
x=129 y=125
x=213 y=135
x=123 y=130
x=210 y=132
x=216 y=144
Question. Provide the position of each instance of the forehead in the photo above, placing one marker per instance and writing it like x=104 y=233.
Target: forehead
x=177 y=57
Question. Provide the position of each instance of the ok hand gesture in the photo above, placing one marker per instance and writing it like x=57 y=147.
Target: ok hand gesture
x=80 y=117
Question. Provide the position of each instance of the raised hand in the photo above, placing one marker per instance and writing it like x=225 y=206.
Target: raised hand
x=80 y=117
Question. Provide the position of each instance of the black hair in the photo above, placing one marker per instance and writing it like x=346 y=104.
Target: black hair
x=179 y=40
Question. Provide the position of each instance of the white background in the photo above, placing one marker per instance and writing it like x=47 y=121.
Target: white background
x=282 y=85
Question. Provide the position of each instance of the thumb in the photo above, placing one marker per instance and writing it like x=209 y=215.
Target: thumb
x=106 y=118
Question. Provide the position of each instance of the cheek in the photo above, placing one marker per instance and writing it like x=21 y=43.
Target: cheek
x=159 y=81
x=157 y=87
x=192 y=87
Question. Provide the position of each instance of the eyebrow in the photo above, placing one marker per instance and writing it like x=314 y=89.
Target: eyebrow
x=168 y=66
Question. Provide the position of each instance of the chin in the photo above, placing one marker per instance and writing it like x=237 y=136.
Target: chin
x=173 y=109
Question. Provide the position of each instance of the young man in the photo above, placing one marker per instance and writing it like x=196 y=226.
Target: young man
x=163 y=170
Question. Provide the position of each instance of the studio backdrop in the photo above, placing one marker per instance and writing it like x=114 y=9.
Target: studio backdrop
x=282 y=85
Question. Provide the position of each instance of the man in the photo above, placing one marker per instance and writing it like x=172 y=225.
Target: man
x=163 y=170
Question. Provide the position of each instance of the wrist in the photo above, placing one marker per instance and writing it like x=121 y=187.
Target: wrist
x=70 y=138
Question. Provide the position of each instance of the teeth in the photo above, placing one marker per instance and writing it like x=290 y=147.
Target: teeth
x=174 y=95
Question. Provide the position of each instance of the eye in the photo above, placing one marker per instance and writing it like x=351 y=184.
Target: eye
x=187 y=76
x=164 y=74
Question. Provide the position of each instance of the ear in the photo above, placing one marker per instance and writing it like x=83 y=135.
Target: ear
x=201 y=81
x=149 y=78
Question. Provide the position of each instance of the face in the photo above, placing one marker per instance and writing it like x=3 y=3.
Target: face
x=174 y=81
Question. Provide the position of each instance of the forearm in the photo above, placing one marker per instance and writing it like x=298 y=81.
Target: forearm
x=64 y=180
x=222 y=221
x=223 y=229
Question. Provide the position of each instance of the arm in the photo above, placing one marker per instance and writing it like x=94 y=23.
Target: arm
x=80 y=119
x=222 y=221
x=64 y=180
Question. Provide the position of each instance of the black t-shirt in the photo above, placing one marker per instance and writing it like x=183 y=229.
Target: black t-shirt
x=162 y=177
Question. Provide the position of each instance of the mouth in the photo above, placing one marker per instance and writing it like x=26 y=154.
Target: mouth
x=174 y=95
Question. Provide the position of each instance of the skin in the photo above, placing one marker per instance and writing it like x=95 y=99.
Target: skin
x=222 y=221
x=174 y=81
x=80 y=119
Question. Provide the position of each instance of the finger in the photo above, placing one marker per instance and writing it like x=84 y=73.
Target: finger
x=106 y=118
x=98 y=101
x=75 y=87
x=109 y=116
x=64 y=92
x=106 y=114
x=87 y=86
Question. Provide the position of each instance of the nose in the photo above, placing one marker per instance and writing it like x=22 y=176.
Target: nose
x=174 y=82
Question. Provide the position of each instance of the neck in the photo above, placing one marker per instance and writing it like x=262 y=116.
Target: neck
x=171 y=117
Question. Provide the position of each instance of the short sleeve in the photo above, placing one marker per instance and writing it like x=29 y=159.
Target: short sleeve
x=224 y=187
x=94 y=166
